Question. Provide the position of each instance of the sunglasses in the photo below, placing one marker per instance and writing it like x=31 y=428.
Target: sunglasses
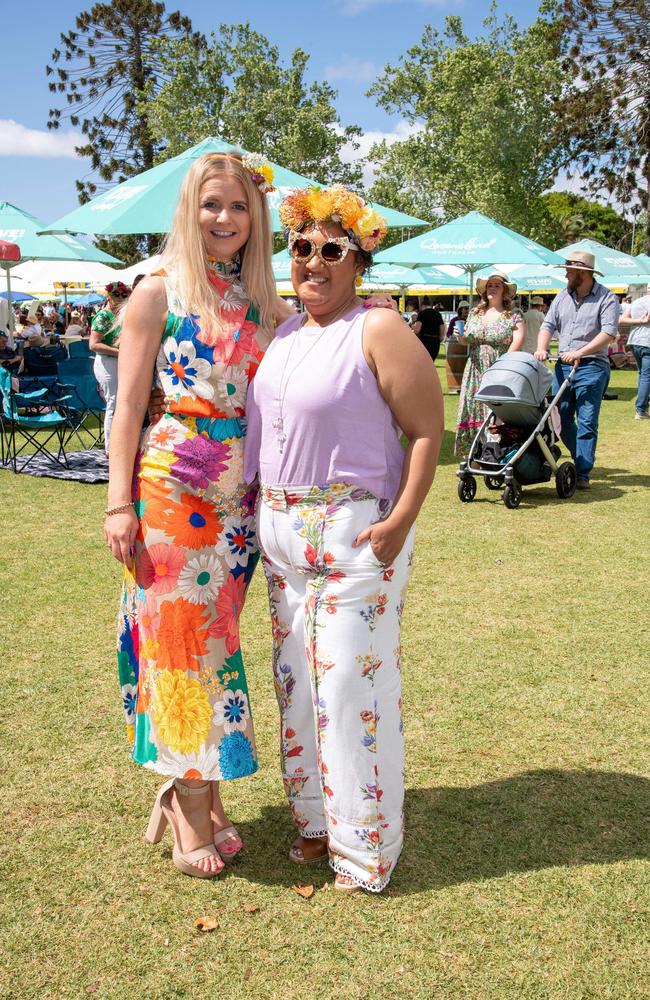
x=331 y=252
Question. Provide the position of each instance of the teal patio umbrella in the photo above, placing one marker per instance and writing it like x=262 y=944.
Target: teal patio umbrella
x=146 y=203
x=23 y=229
x=616 y=266
x=471 y=242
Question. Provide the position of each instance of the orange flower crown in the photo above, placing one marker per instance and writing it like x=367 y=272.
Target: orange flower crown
x=362 y=223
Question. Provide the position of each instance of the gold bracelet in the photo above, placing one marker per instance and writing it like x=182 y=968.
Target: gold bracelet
x=119 y=510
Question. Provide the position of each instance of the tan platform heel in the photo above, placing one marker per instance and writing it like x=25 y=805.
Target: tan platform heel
x=163 y=814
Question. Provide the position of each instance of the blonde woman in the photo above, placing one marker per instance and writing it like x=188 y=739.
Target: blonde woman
x=492 y=328
x=180 y=516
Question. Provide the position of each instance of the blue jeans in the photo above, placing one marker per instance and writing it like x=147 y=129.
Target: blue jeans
x=581 y=403
x=642 y=356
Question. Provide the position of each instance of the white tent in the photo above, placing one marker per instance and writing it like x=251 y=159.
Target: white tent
x=129 y=274
x=41 y=275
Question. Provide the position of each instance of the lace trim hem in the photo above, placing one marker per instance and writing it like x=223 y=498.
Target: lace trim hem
x=313 y=834
x=369 y=886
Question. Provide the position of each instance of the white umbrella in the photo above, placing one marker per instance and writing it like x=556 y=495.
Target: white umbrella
x=129 y=274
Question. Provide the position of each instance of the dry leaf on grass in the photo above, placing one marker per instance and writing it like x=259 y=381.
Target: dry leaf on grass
x=306 y=891
x=247 y=974
x=250 y=907
x=206 y=923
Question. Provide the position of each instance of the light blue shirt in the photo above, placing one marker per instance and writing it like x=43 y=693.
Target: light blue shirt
x=577 y=323
x=639 y=335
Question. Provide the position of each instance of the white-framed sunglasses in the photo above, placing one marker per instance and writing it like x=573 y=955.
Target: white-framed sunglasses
x=331 y=252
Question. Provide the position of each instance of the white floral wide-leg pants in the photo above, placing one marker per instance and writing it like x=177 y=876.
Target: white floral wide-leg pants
x=336 y=658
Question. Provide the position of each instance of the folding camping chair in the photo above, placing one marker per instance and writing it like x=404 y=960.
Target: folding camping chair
x=19 y=431
x=80 y=349
x=78 y=379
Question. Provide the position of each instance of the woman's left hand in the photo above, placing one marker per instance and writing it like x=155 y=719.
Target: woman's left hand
x=385 y=538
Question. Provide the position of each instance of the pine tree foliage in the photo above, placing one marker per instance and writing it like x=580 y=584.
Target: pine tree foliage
x=605 y=113
x=102 y=68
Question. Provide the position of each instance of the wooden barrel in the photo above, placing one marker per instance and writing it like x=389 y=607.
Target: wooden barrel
x=455 y=364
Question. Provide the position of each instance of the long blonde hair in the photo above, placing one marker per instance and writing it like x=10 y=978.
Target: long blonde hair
x=184 y=253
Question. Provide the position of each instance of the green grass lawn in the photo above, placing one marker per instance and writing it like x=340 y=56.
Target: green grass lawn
x=525 y=869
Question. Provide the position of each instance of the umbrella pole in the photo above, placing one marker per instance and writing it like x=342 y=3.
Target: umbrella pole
x=65 y=305
x=10 y=317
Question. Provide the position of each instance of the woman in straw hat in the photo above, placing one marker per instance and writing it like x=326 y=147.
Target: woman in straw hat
x=184 y=530
x=492 y=328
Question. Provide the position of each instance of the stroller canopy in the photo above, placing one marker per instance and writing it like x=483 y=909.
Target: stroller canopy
x=516 y=378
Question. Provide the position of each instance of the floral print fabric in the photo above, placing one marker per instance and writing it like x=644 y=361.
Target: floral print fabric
x=181 y=671
x=486 y=341
x=336 y=658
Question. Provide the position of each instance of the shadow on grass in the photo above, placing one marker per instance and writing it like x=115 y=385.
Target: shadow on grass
x=527 y=822
x=623 y=392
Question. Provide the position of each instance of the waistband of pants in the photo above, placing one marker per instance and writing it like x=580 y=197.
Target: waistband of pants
x=281 y=498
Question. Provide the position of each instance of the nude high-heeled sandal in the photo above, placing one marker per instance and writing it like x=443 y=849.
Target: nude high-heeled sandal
x=163 y=814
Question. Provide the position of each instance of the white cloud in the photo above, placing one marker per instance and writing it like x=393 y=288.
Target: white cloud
x=366 y=141
x=353 y=7
x=18 y=140
x=357 y=70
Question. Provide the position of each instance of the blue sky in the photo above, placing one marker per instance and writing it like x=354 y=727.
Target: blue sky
x=349 y=41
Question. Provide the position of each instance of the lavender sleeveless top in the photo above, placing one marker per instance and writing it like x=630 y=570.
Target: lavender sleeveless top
x=338 y=427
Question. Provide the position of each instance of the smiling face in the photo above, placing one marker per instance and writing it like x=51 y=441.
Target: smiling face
x=494 y=292
x=325 y=289
x=224 y=216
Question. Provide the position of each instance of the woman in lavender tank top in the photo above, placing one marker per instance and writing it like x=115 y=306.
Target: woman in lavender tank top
x=336 y=524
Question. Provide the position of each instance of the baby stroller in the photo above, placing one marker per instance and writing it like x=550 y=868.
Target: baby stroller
x=516 y=445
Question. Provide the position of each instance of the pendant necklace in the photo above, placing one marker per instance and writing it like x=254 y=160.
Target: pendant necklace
x=278 y=423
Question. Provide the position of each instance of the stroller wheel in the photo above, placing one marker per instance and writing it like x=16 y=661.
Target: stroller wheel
x=493 y=483
x=565 y=480
x=467 y=489
x=512 y=495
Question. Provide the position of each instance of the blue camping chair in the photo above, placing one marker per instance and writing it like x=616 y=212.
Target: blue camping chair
x=80 y=349
x=43 y=360
x=20 y=430
x=84 y=401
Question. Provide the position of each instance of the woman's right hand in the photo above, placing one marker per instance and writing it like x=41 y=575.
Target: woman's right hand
x=120 y=532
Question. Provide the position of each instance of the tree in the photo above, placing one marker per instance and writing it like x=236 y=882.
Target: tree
x=109 y=59
x=564 y=217
x=237 y=88
x=605 y=114
x=481 y=113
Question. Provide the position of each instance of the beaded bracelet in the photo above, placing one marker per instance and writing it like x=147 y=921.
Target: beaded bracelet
x=119 y=510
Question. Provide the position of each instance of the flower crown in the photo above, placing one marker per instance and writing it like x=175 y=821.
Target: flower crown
x=117 y=289
x=363 y=224
x=260 y=170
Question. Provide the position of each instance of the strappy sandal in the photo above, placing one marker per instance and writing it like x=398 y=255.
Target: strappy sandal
x=345 y=883
x=225 y=851
x=297 y=855
x=163 y=814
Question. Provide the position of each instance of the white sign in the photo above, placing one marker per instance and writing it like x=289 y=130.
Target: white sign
x=457 y=249
x=117 y=197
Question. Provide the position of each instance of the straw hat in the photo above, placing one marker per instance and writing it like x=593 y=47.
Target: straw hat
x=537 y=300
x=582 y=260
x=463 y=304
x=510 y=286
x=35 y=340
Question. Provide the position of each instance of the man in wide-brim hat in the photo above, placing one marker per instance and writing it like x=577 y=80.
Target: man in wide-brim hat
x=584 y=317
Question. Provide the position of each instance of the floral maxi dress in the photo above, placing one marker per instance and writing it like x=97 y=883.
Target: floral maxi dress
x=180 y=667
x=486 y=341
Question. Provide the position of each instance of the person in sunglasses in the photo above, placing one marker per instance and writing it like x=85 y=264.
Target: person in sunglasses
x=338 y=500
